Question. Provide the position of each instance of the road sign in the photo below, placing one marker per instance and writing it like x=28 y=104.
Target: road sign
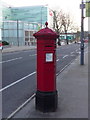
x=87 y=8
x=82 y=6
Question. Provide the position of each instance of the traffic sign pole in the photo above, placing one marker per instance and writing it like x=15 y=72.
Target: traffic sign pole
x=82 y=6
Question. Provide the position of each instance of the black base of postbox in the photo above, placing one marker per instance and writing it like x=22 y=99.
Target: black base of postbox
x=46 y=101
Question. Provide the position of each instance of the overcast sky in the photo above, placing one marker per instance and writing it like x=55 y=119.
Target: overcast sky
x=69 y=6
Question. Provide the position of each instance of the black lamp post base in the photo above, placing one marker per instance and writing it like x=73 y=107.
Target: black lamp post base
x=46 y=101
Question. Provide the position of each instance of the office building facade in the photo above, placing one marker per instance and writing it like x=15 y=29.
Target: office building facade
x=17 y=24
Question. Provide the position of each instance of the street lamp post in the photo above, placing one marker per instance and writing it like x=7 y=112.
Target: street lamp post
x=82 y=6
x=17 y=33
x=42 y=14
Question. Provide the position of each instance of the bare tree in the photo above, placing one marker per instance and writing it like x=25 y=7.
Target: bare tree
x=67 y=24
x=62 y=23
x=57 y=23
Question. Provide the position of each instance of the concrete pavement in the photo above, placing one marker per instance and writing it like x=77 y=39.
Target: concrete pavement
x=72 y=86
x=17 y=48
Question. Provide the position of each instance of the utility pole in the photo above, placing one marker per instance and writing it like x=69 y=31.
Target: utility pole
x=42 y=7
x=41 y=16
x=82 y=6
x=17 y=33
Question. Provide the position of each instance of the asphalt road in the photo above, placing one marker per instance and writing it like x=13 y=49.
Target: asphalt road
x=19 y=75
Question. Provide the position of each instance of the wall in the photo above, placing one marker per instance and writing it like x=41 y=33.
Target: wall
x=36 y=14
x=17 y=22
x=14 y=32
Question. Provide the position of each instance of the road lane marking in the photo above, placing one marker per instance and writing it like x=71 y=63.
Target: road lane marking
x=65 y=56
x=11 y=60
x=20 y=107
x=65 y=67
x=8 y=86
x=57 y=60
x=62 y=69
x=77 y=50
x=72 y=52
x=72 y=55
x=33 y=55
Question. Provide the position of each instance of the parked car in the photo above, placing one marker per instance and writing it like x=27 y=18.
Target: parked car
x=5 y=43
x=79 y=42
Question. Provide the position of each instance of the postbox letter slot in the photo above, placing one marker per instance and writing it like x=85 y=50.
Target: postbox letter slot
x=48 y=46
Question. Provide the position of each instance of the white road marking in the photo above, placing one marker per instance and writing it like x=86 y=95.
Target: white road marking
x=77 y=50
x=19 y=108
x=62 y=70
x=8 y=86
x=65 y=56
x=57 y=60
x=72 y=55
x=11 y=60
x=72 y=52
x=65 y=67
x=33 y=55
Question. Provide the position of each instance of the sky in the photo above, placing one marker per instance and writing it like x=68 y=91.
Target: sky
x=69 y=6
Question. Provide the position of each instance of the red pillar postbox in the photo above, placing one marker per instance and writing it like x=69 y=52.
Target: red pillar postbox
x=46 y=94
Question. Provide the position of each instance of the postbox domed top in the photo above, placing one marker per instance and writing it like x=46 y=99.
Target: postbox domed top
x=46 y=33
